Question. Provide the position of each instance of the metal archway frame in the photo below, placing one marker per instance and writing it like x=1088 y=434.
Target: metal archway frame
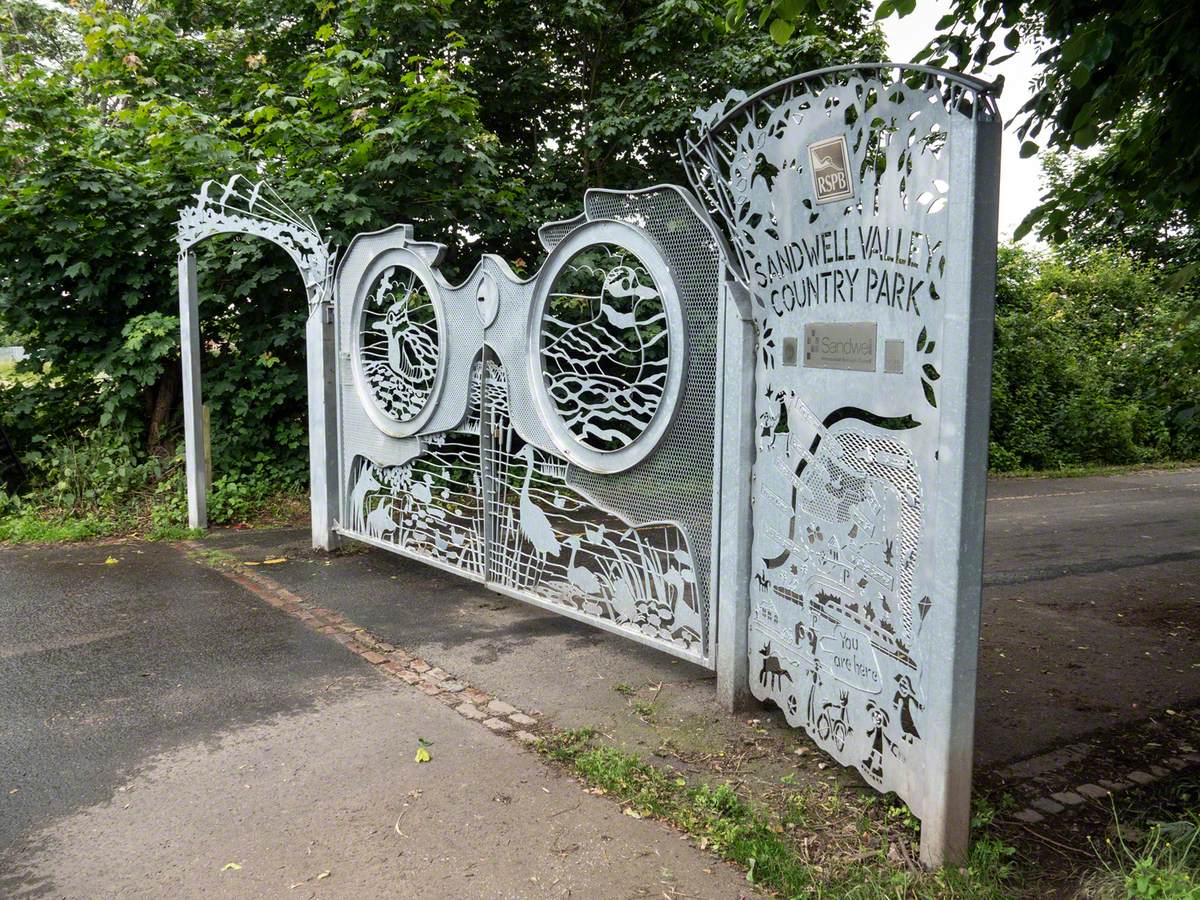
x=253 y=208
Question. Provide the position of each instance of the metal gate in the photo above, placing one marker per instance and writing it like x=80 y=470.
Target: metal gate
x=861 y=203
x=552 y=438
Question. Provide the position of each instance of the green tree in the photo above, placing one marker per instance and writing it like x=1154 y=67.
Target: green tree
x=475 y=120
x=1168 y=240
x=1093 y=362
x=1124 y=74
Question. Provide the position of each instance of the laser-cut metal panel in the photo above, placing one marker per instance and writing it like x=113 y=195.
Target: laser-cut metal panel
x=508 y=429
x=241 y=206
x=253 y=208
x=850 y=198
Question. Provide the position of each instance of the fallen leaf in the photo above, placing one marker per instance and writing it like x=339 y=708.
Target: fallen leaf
x=324 y=874
x=228 y=866
x=274 y=560
x=251 y=563
x=111 y=561
x=423 y=755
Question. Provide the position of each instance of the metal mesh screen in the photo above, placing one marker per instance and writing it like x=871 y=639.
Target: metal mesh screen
x=683 y=462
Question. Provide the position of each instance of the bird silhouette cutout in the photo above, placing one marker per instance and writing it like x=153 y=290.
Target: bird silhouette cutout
x=534 y=525
x=823 y=163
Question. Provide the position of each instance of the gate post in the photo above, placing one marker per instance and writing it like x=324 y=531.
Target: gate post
x=735 y=378
x=322 y=423
x=975 y=169
x=189 y=354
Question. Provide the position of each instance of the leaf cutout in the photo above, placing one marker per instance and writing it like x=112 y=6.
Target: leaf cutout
x=930 y=372
x=929 y=347
x=921 y=340
x=929 y=393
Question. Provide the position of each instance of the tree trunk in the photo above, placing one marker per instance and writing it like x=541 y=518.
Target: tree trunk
x=164 y=392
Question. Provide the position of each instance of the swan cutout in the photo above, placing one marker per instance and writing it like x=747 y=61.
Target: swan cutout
x=412 y=350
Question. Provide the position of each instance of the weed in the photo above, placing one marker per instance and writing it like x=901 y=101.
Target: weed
x=625 y=690
x=1164 y=864
x=33 y=526
x=214 y=558
x=643 y=708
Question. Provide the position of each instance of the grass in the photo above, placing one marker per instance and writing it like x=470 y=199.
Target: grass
x=1159 y=863
x=814 y=842
x=34 y=520
x=1084 y=471
x=643 y=708
x=29 y=526
x=215 y=558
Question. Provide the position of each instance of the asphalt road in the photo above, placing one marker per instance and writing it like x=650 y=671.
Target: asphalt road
x=1091 y=613
x=157 y=722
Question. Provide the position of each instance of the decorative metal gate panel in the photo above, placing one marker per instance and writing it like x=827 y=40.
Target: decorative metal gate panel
x=851 y=199
x=519 y=432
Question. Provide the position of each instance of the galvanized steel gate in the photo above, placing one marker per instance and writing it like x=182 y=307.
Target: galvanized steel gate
x=552 y=438
x=770 y=462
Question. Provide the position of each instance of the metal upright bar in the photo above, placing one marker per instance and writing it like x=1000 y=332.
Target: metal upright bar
x=975 y=170
x=189 y=335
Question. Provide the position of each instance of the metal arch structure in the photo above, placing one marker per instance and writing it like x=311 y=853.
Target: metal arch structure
x=240 y=206
x=861 y=205
x=746 y=426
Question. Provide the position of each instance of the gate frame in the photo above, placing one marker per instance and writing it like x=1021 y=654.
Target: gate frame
x=254 y=209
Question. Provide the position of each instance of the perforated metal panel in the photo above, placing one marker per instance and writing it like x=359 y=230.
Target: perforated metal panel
x=684 y=460
x=492 y=478
x=850 y=198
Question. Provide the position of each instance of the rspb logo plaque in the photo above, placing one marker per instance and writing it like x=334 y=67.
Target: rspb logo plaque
x=830 y=170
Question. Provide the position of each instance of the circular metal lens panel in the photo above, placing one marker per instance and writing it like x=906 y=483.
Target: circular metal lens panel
x=608 y=347
x=398 y=341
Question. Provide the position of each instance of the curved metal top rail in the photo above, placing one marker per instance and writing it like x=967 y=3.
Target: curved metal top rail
x=985 y=88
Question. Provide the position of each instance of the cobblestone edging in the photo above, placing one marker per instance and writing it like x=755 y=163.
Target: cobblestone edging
x=1068 y=778
x=1054 y=803
x=468 y=701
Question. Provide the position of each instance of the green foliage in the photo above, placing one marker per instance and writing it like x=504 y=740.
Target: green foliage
x=474 y=120
x=1168 y=239
x=25 y=524
x=1164 y=864
x=1094 y=363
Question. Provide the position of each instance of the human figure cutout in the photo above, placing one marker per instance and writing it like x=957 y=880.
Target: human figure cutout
x=904 y=701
